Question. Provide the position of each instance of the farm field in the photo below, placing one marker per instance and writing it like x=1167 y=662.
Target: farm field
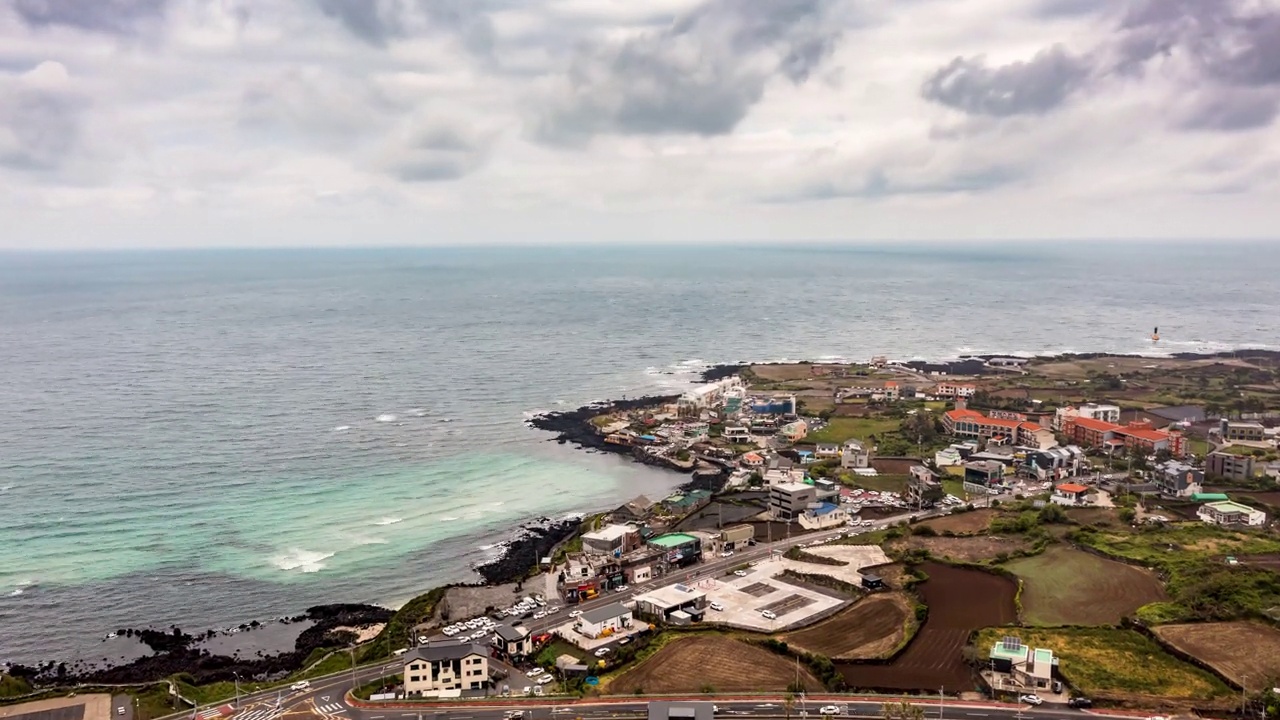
x=968 y=549
x=969 y=523
x=1118 y=665
x=872 y=628
x=1094 y=516
x=692 y=664
x=1151 y=547
x=1062 y=586
x=1235 y=649
x=960 y=600
x=840 y=429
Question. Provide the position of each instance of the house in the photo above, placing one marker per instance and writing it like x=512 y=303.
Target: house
x=752 y=460
x=775 y=406
x=736 y=536
x=679 y=549
x=1246 y=431
x=854 y=455
x=956 y=454
x=673 y=603
x=923 y=487
x=1054 y=463
x=611 y=540
x=1226 y=512
x=983 y=475
x=445 y=668
x=789 y=499
x=822 y=516
x=604 y=621
x=512 y=641
x=636 y=510
x=782 y=470
x=1070 y=494
x=794 y=431
x=826 y=451
x=954 y=390
x=1140 y=436
x=1178 y=479
x=737 y=435
x=1028 y=668
x=682 y=710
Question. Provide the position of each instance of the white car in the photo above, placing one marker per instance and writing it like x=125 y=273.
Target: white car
x=602 y=652
x=1031 y=699
x=727 y=553
x=534 y=672
x=768 y=615
x=423 y=639
x=300 y=686
x=553 y=609
x=546 y=679
x=539 y=615
x=575 y=613
x=828 y=710
x=621 y=588
x=716 y=606
x=740 y=573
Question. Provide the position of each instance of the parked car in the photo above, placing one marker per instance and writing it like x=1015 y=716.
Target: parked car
x=575 y=613
x=621 y=588
x=624 y=641
x=727 y=553
x=769 y=615
x=1031 y=699
x=740 y=573
x=534 y=672
x=829 y=710
x=716 y=606
x=553 y=609
x=546 y=679
x=602 y=652
x=1080 y=702
x=120 y=710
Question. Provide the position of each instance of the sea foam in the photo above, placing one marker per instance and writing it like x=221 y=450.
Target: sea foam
x=387 y=417
x=389 y=521
x=307 y=561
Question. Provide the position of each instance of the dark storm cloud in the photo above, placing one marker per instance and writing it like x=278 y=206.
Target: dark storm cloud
x=45 y=128
x=438 y=152
x=379 y=21
x=1020 y=88
x=109 y=16
x=1231 y=109
x=701 y=75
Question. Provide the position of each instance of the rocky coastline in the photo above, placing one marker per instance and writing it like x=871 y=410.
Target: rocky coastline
x=534 y=541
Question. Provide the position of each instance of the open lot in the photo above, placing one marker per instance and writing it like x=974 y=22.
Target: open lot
x=696 y=664
x=1120 y=665
x=871 y=628
x=96 y=706
x=1062 y=586
x=968 y=523
x=840 y=429
x=743 y=598
x=960 y=600
x=1235 y=649
x=968 y=549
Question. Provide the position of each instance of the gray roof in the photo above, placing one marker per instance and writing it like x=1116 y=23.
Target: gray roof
x=512 y=633
x=682 y=710
x=1179 y=413
x=445 y=650
x=599 y=615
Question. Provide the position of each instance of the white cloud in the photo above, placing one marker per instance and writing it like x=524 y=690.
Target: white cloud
x=179 y=122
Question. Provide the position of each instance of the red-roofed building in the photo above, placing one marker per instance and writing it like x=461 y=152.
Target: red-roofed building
x=973 y=424
x=1070 y=494
x=891 y=390
x=1088 y=432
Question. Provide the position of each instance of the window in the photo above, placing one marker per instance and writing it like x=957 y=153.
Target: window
x=415 y=666
x=415 y=678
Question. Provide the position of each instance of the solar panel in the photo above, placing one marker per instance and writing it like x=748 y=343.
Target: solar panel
x=1011 y=643
x=681 y=587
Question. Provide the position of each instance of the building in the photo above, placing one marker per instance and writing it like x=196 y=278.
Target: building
x=1070 y=494
x=445 y=668
x=1228 y=466
x=665 y=602
x=825 y=451
x=1245 y=431
x=679 y=549
x=611 y=540
x=682 y=710
x=512 y=641
x=923 y=487
x=956 y=454
x=736 y=536
x=706 y=396
x=752 y=460
x=1226 y=512
x=637 y=510
x=954 y=390
x=1054 y=463
x=983 y=475
x=788 y=500
x=737 y=435
x=963 y=422
x=1028 y=668
x=823 y=515
x=794 y=431
x=1139 y=436
x=1178 y=479
x=872 y=582
x=775 y=406
x=854 y=455
x=604 y=621
x=782 y=470
x=1091 y=411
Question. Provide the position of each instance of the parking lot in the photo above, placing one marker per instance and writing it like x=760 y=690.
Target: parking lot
x=744 y=598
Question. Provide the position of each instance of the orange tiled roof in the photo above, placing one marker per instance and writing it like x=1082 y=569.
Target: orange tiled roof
x=1031 y=426
x=1142 y=434
x=1091 y=424
x=1072 y=488
x=965 y=414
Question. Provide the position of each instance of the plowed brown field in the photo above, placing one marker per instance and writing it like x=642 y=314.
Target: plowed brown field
x=690 y=665
x=871 y=628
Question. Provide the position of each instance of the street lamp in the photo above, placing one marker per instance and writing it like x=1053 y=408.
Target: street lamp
x=237 y=677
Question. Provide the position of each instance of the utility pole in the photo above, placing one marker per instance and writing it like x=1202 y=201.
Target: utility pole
x=353 y=668
x=941 y=698
x=237 y=677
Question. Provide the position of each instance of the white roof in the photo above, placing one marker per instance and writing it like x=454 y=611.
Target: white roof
x=609 y=533
x=670 y=596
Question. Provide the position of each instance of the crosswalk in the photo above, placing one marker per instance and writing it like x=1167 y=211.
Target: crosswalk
x=331 y=708
x=262 y=713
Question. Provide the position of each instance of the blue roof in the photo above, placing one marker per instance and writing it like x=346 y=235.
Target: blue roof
x=804 y=452
x=648 y=437
x=824 y=509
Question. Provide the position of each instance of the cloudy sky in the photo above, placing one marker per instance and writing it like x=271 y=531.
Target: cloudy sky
x=181 y=123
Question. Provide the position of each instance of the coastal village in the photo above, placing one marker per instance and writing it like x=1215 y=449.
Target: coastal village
x=1082 y=531
x=1071 y=531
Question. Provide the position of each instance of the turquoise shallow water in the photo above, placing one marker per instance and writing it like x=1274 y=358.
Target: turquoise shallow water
x=204 y=438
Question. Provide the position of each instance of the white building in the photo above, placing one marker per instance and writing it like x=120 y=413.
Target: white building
x=1093 y=411
x=825 y=515
x=854 y=455
x=1226 y=512
x=708 y=395
x=604 y=621
x=445 y=669
x=673 y=603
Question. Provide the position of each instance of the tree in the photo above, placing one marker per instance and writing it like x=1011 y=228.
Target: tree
x=901 y=710
x=1127 y=515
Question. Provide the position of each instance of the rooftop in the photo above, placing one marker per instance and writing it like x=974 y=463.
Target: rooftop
x=672 y=540
x=670 y=595
x=609 y=533
x=608 y=612
x=1072 y=488
x=1230 y=506
x=445 y=650
x=1091 y=424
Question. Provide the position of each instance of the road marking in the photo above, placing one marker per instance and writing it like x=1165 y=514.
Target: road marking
x=331 y=708
x=976 y=714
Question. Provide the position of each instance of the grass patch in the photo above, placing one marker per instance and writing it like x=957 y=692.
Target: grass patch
x=11 y=686
x=1106 y=662
x=399 y=630
x=1068 y=587
x=953 y=486
x=839 y=429
x=546 y=657
x=156 y=702
x=337 y=662
x=1196 y=446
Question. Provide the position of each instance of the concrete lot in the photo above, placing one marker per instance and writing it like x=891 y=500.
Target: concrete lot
x=857 y=557
x=744 y=597
x=96 y=706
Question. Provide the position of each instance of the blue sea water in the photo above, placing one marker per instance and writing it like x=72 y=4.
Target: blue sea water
x=207 y=437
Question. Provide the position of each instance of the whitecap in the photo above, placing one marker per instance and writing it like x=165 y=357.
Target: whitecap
x=445 y=420
x=417 y=412
x=386 y=417
x=16 y=593
x=389 y=520
x=342 y=428
x=446 y=518
x=5 y=488
x=559 y=402
x=307 y=561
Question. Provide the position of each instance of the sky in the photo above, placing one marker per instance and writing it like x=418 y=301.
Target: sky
x=189 y=123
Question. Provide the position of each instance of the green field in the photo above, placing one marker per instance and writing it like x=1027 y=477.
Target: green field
x=840 y=429
x=879 y=483
x=1062 y=586
x=1103 y=662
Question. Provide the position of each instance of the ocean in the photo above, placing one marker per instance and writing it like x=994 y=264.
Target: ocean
x=202 y=438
